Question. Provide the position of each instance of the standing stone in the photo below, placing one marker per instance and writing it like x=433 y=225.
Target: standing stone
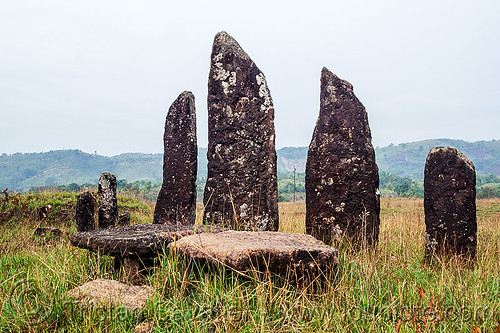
x=450 y=203
x=176 y=202
x=108 y=206
x=85 y=206
x=242 y=188
x=342 y=197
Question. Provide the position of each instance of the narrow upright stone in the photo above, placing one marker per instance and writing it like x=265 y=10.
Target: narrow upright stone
x=108 y=206
x=242 y=188
x=85 y=206
x=342 y=197
x=450 y=203
x=176 y=202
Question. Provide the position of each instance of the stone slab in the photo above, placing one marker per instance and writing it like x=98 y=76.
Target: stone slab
x=141 y=240
x=104 y=292
x=262 y=250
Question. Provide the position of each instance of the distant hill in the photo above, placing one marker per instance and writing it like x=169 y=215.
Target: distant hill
x=408 y=159
x=61 y=167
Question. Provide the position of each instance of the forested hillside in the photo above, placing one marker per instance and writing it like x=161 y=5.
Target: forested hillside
x=408 y=159
x=400 y=166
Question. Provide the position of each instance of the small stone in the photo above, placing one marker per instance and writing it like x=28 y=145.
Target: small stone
x=342 y=197
x=123 y=219
x=108 y=205
x=450 y=203
x=241 y=190
x=103 y=292
x=261 y=250
x=85 y=207
x=48 y=231
x=176 y=202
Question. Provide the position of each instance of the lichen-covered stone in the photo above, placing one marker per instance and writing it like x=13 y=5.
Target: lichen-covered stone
x=140 y=240
x=342 y=198
x=176 y=202
x=108 y=205
x=85 y=207
x=261 y=251
x=450 y=203
x=241 y=190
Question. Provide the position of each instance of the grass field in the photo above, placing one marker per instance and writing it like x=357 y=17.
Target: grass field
x=388 y=289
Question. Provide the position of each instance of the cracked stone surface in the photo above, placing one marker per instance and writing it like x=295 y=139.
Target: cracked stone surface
x=108 y=205
x=342 y=197
x=176 y=203
x=261 y=251
x=450 y=203
x=85 y=206
x=241 y=190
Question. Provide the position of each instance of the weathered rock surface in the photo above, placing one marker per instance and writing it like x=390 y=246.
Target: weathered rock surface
x=176 y=202
x=85 y=206
x=262 y=250
x=450 y=203
x=108 y=205
x=141 y=240
x=241 y=190
x=342 y=198
x=103 y=292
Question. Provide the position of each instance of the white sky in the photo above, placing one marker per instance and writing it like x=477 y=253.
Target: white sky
x=100 y=75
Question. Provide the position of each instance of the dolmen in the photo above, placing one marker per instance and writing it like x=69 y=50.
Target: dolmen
x=241 y=191
x=133 y=245
x=342 y=196
x=259 y=251
x=450 y=204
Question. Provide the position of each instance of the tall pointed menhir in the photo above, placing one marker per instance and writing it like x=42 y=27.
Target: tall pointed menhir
x=242 y=188
x=176 y=202
x=342 y=198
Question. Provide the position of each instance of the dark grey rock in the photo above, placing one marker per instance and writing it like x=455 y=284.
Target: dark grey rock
x=342 y=197
x=450 y=203
x=176 y=202
x=108 y=205
x=85 y=207
x=241 y=190
x=44 y=212
x=141 y=240
x=261 y=251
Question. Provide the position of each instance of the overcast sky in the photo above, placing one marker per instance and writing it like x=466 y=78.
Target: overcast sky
x=100 y=75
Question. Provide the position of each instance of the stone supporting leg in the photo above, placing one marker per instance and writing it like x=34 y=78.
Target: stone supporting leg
x=131 y=269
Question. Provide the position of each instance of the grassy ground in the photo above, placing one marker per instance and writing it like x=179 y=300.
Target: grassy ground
x=389 y=289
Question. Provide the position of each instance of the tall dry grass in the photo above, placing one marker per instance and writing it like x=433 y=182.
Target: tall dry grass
x=388 y=289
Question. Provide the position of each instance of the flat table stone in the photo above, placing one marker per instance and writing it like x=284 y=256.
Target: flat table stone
x=142 y=240
x=130 y=244
x=261 y=251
